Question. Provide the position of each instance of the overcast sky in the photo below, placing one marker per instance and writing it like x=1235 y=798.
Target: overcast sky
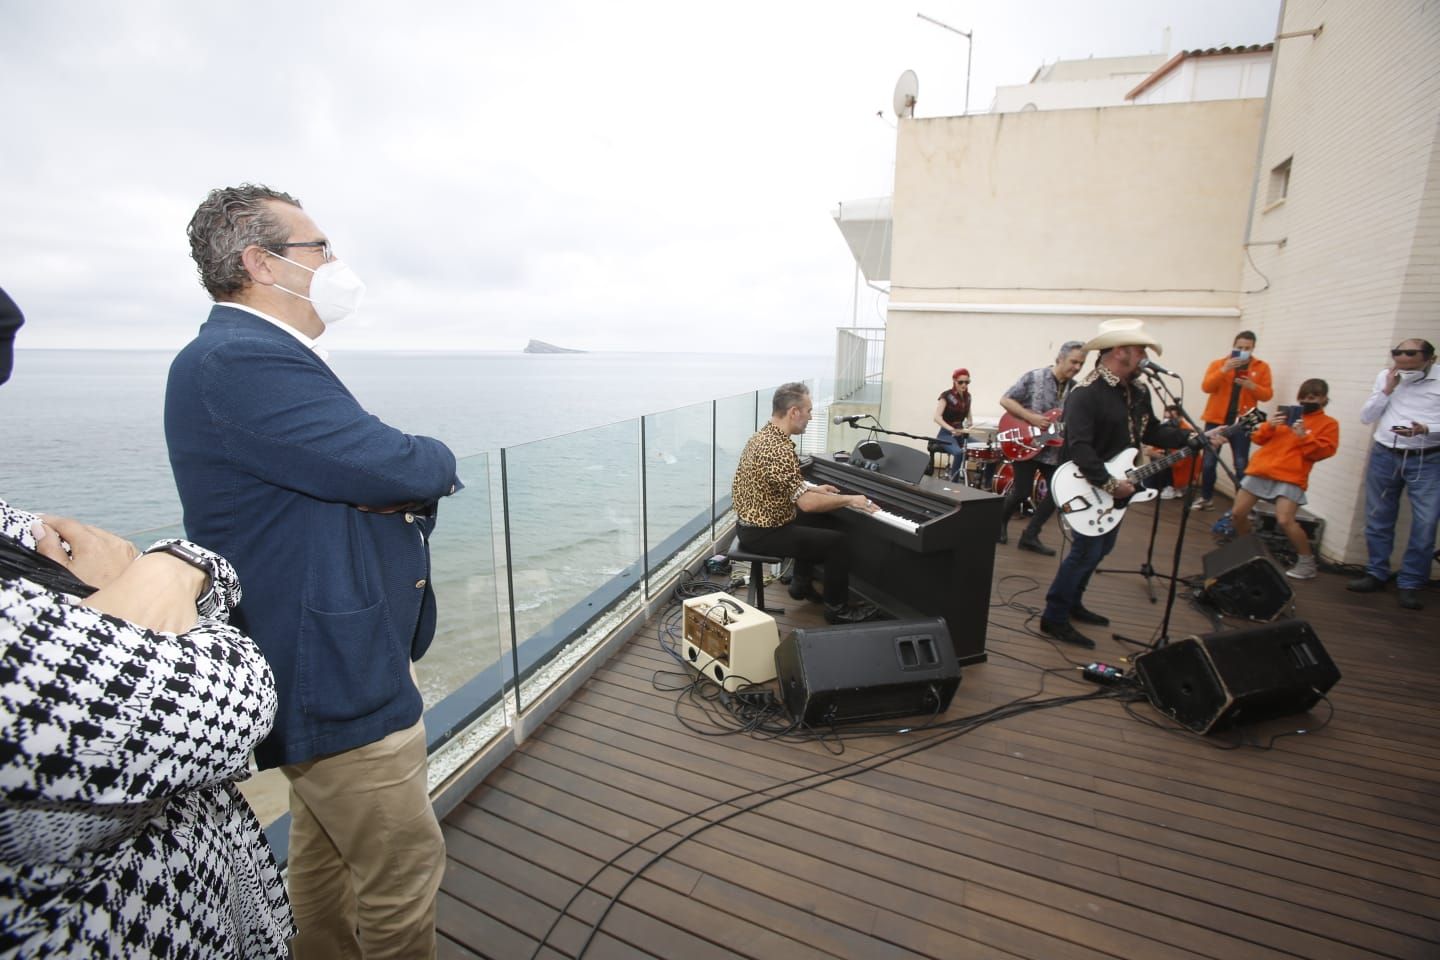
x=612 y=176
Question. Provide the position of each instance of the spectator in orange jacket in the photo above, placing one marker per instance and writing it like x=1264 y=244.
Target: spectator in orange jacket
x=1235 y=384
x=1280 y=472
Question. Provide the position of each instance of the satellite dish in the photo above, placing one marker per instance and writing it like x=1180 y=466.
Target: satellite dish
x=906 y=89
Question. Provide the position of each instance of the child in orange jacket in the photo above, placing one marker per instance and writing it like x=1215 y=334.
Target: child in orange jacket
x=1280 y=471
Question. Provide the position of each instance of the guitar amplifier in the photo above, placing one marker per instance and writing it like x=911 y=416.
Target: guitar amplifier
x=729 y=641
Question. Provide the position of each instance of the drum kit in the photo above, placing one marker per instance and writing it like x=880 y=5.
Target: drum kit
x=987 y=469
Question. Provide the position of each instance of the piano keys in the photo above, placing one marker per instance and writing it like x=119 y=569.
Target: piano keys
x=932 y=554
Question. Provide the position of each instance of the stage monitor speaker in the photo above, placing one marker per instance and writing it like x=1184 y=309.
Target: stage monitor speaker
x=867 y=671
x=891 y=459
x=1242 y=580
x=1211 y=682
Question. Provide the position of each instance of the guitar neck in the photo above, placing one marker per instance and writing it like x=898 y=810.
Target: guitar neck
x=1249 y=420
x=1148 y=470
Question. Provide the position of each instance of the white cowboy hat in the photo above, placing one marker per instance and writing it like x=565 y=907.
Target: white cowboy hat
x=1123 y=332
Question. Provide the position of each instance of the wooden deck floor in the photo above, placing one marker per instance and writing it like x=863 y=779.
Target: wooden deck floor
x=1074 y=832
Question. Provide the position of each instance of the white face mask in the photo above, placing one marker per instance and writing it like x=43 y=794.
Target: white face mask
x=1410 y=376
x=335 y=290
x=1242 y=355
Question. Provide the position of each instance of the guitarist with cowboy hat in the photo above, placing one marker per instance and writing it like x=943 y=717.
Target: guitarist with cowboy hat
x=1109 y=412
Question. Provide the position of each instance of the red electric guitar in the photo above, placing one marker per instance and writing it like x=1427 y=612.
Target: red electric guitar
x=1021 y=441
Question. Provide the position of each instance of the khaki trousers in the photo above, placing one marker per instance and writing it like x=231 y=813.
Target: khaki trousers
x=366 y=853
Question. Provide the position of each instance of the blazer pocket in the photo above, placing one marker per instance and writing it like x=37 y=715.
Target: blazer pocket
x=347 y=663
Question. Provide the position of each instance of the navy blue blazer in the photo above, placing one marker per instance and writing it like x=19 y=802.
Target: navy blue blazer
x=272 y=457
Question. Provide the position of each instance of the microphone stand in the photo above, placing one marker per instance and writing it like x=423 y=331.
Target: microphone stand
x=1164 y=636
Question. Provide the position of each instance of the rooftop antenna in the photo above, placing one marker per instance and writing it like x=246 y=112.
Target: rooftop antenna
x=969 y=36
x=906 y=89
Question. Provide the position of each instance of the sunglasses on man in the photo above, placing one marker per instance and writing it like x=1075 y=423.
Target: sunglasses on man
x=1406 y=353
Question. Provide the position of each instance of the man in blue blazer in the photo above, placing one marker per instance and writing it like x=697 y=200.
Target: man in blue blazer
x=326 y=513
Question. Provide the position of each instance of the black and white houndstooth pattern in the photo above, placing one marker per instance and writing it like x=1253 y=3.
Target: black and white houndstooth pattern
x=121 y=832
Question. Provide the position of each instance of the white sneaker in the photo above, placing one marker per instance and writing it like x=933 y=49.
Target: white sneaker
x=1169 y=493
x=1200 y=505
x=1304 y=569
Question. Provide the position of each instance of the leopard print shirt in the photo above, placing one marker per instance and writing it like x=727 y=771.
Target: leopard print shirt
x=768 y=480
x=121 y=831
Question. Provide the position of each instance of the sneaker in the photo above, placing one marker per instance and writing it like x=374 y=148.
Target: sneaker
x=1169 y=493
x=837 y=613
x=1065 y=633
x=1365 y=584
x=1202 y=504
x=1304 y=569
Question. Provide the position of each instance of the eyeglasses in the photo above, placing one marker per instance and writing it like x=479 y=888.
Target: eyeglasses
x=1406 y=353
x=322 y=245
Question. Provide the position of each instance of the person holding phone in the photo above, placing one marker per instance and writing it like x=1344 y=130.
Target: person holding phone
x=1235 y=384
x=1405 y=409
x=1293 y=440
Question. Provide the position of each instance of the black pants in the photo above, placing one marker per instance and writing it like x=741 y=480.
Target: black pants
x=810 y=538
x=1023 y=486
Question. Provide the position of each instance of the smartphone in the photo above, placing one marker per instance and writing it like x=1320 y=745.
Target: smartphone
x=1292 y=414
x=1399 y=429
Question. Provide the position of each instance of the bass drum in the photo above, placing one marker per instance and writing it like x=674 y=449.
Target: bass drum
x=1005 y=477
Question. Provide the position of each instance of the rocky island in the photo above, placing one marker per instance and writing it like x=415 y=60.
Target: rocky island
x=540 y=346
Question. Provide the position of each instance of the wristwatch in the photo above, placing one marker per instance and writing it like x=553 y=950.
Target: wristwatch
x=207 y=601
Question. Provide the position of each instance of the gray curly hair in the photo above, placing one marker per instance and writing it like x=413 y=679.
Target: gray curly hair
x=787 y=396
x=229 y=220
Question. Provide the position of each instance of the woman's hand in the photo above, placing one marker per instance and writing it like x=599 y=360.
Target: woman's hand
x=96 y=556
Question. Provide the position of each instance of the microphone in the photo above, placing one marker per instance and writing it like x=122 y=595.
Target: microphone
x=1150 y=366
x=849 y=420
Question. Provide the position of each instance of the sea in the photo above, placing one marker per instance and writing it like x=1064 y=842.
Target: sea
x=85 y=439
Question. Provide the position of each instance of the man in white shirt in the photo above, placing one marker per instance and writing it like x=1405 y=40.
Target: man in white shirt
x=1405 y=409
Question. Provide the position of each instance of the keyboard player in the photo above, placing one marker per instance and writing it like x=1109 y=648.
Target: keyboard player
x=782 y=514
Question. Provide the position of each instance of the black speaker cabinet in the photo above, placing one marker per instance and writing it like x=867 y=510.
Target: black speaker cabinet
x=867 y=671
x=1211 y=682
x=1243 y=581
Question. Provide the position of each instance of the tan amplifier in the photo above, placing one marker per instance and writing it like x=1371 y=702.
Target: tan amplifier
x=729 y=641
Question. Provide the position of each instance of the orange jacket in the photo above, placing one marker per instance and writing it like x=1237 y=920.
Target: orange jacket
x=1217 y=383
x=1287 y=458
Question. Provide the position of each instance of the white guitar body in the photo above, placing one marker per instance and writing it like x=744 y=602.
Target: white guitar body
x=1088 y=509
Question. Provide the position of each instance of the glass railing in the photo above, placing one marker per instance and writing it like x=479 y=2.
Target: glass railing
x=550 y=547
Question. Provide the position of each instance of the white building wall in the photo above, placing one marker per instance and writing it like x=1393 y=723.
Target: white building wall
x=1357 y=109
x=1228 y=77
x=1065 y=94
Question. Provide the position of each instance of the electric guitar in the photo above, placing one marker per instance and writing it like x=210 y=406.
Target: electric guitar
x=1020 y=440
x=1091 y=511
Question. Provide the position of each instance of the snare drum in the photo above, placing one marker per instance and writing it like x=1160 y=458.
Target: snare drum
x=982 y=450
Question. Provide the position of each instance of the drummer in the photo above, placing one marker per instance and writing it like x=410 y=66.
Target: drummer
x=952 y=414
x=1033 y=396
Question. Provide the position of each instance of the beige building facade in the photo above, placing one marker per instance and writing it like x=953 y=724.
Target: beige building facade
x=1016 y=232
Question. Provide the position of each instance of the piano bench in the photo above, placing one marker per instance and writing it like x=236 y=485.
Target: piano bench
x=755 y=596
